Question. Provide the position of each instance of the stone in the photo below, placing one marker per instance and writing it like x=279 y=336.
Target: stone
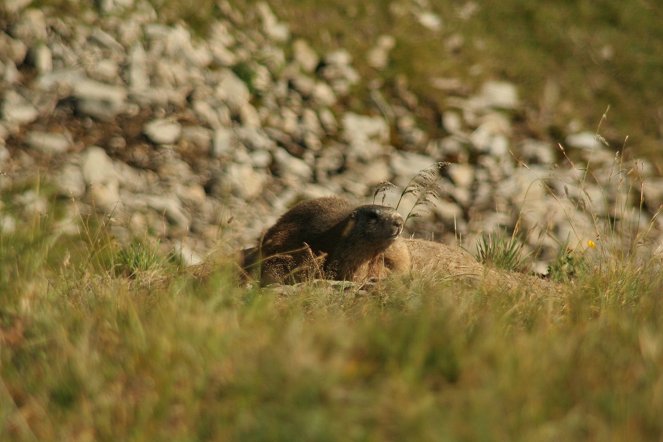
x=232 y=90
x=405 y=165
x=15 y=6
x=462 y=175
x=171 y=207
x=499 y=94
x=305 y=56
x=366 y=135
x=162 y=131
x=99 y=100
x=583 y=140
x=378 y=57
x=32 y=202
x=17 y=110
x=70 y=181
x=273 y=29
x=30 y=27
x=245 y=182
x=41 y=58
x=537 y=152
x=198 y=136
x=138 y=76
x=429 y=20
x=97 y=166
x=224 y=142
x=290 y=167
x=47 y=142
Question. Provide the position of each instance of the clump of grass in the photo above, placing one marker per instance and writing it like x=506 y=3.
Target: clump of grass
x=501 y=251
x=568 y=264
x=139 y=257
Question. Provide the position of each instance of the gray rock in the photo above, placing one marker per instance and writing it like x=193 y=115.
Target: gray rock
x=99 y=100
x=462 y=175
x=273 y=29
x=41 y=58
x=224 y=142
x=97 y=167
x=583 y=140
x=378 y=57
x=405 y=165
x=138 y=76
x=452 y=122
x=429 y=20
x=366 y=135
x=499 y=94
x=32 y=202
x=48 y=142
x=188 y=256
x=199 y=137
x=15 y=6
x=31 y=26
x=12 y=49
x=232 y=90
x=245 y=182
x=290 y=167
x=70 y=182
x=323 y=94
x=162 y=131
x=17 y=110
x=170 y=207
x=105 y=40
x=537 y=152
x=305 y=56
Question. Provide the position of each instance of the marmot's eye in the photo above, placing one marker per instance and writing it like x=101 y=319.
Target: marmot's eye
x=373 y=214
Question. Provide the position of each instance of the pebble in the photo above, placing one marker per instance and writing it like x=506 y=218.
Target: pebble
x=47 y=142
x=162 y=131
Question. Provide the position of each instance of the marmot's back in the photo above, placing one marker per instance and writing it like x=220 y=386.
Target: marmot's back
x=326 y=237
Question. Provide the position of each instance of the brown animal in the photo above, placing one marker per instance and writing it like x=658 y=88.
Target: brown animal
x=330 y=238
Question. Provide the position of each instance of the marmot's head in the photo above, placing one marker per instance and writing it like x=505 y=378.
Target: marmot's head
x=373 y=225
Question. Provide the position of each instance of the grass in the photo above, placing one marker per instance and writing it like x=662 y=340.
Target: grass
x=90 y=352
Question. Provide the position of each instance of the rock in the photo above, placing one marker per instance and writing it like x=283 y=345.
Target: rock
x=99 y=100
x=188 y=256
x=273 y=29
x=199 y=137
x=17 y=110
x=32 y=202
x=15 y=6
x=138 y=76
x=583 y=140
x=47 y=142
x=97 y=166
x=162 y=131
x=378 y=57
x=7 y=224
x=245 y=182
x=232 y=90
x=430 y=20
x=70 y=181
x=224 y=142
x=366 y=135
x=452 y=122
x=40 y=57
x=290 y=167
x=406 y=165
x=499 y=94
x=30 y=27
x=462 y=175
x=305 y=56
x=537 y=152
x=171 y=207
x=323 y=94
x=12 y=49
x=240 y=180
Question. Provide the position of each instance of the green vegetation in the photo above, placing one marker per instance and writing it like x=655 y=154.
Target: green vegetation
x=151 y=353
x=501 y=251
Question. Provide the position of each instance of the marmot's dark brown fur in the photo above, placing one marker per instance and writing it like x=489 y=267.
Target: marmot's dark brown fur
x=329 y=238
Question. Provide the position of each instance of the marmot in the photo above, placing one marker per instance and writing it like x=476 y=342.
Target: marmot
x=330 y=238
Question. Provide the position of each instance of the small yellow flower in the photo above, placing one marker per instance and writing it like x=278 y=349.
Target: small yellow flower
x=591 y=244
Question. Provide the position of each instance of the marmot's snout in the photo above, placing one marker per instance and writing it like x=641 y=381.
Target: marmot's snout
x=396 y=224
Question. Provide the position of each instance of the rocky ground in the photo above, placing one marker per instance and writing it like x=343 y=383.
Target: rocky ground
x=192 y=139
